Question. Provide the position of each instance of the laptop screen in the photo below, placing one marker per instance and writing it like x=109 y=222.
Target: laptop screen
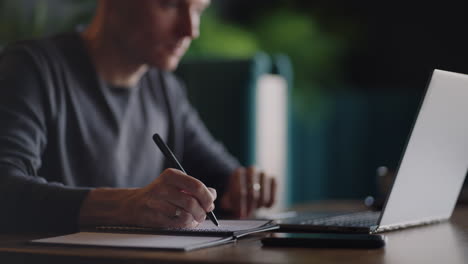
x=435 y=161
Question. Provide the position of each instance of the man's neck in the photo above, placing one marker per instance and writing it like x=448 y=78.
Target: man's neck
x=110 y=63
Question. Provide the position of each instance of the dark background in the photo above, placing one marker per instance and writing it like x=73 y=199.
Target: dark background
x=391 y=44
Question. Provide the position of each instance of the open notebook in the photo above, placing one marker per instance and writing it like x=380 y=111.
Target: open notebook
x=234 y=228
x=182 y=239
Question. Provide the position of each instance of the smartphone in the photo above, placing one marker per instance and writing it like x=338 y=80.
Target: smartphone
x=324 y=240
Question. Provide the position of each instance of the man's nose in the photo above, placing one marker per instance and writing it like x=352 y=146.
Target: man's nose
x=190 y=23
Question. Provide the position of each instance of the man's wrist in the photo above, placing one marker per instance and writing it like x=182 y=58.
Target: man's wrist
x=106 y=206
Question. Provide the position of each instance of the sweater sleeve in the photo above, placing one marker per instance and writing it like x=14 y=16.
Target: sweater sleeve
x=29 y=202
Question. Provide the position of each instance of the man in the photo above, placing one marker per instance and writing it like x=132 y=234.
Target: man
x=78 y=111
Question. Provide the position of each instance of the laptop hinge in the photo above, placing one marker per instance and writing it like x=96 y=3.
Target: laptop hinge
x=379 y=229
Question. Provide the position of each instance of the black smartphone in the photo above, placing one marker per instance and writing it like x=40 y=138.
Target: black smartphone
x=324 y=240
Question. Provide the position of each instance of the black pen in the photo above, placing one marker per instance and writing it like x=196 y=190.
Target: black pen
x=175 y=163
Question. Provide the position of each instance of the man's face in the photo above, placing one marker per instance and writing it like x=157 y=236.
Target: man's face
x=158 y=32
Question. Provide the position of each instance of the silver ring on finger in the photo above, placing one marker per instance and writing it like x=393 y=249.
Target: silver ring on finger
x=177 y=213
x=256 y=187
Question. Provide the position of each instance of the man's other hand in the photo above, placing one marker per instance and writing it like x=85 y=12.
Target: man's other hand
x=248 y=190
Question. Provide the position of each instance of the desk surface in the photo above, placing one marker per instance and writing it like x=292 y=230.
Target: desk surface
x=439 y=243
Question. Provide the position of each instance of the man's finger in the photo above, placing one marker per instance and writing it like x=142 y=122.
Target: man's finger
x=249 y=182
x=213 y=192
x=158 y=218
x=240 y=206
x=183 y=219
x=253 y=194
x=166 y=214
x=189 y=185
x=186 y=202
x=168 y=202
x=272 y=193
x=262 y=199
x=152 y=218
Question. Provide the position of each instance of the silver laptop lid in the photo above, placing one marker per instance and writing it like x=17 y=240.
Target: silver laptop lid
x=435 y=161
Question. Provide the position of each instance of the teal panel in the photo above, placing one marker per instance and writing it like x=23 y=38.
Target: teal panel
x=337 y=150
x=223 y=92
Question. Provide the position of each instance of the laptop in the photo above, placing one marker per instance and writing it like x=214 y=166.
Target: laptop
x=431 y=172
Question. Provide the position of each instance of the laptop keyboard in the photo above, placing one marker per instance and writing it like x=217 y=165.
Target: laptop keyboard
x=360 y=219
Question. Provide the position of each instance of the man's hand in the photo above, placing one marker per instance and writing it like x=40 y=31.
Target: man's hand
x=248 y=189
x=174 y=199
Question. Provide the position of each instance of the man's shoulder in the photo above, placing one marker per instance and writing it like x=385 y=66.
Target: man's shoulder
x=45 y=66
x=42 y=50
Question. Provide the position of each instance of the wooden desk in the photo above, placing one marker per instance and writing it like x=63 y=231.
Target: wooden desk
x=440 y=243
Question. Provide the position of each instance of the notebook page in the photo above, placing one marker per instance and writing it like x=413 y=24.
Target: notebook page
x=133 y=240
x=230 y=225
x=234 y=228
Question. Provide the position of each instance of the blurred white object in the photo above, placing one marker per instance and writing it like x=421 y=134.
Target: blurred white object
x=271 y=134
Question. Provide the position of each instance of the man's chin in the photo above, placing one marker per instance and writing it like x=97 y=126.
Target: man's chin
x=172 y=67
x=167 y=65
